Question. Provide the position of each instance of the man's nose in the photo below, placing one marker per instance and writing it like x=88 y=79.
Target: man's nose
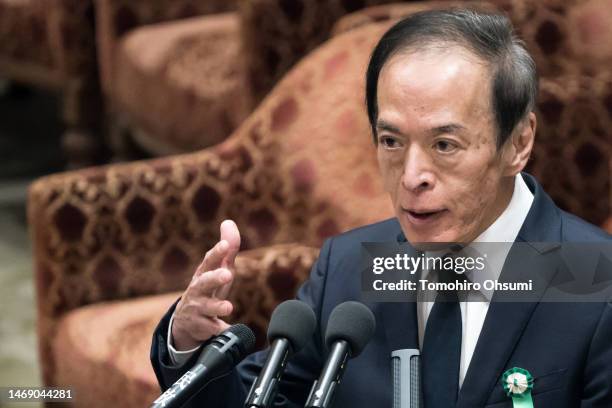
x=417 y=174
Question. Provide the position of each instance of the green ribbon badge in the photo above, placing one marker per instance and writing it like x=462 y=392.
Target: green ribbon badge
x=518 y=384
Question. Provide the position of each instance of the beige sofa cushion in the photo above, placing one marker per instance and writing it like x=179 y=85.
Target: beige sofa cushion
x=181 y=84
x=102 y=352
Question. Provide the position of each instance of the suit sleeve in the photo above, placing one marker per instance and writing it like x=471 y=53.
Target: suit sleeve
x=597 y=391
x=231 y=391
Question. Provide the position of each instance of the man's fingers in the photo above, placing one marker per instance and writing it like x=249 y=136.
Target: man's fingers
x=215 y=307
x=214 y=257
x=224 y=252
x=204 y=328
x=230 y=234
x=207 y=283
x=221 y=326
x=223 y=292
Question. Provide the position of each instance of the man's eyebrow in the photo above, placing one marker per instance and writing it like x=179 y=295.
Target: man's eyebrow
x=452 y=128
x=382 y=125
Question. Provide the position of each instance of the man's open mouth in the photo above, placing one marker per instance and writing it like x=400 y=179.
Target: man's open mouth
x=423 y=216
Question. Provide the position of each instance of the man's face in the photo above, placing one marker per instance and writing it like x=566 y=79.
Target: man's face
x=437 y=149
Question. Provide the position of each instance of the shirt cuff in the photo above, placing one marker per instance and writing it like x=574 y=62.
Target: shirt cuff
x=177 y=358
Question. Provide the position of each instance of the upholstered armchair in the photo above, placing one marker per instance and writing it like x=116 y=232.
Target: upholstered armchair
x=112 y=244
x=50 y=44
x=169 y=70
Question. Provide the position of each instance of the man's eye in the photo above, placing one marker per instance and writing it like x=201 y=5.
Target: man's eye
x=388 y=142
x=445 y=146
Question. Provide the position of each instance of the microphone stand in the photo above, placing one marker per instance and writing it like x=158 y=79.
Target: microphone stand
x=323 y=389
x=259 y=396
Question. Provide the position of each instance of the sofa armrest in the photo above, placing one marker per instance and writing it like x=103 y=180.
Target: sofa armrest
x=116 y=17
x=131 y=229
x=265 y=277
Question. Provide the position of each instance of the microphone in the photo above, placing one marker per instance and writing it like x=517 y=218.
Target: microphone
x=216 y=360
x=406 y=372
x=351 y=326
x=291 y=326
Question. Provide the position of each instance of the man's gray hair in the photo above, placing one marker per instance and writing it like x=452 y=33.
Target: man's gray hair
x=489 y=36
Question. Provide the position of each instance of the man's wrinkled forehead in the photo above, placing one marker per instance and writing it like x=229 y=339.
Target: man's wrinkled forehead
x=431 y=55
x=450 y=81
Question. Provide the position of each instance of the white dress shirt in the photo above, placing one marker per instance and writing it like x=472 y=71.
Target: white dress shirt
x=504 y=229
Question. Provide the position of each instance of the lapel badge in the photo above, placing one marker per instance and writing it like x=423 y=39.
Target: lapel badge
x=518 y=383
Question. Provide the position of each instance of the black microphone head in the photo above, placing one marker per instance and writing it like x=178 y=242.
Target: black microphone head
x=293 y=320
x=353 y=322
x=246 y=337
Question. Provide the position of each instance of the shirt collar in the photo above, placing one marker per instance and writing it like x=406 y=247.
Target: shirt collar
x=504 y=229
x=507 y=226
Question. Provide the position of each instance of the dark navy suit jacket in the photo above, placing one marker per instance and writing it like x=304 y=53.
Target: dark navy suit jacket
x=566 y=346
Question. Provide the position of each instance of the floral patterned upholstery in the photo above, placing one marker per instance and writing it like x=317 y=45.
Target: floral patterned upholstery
x=301 y=24
x=93 y=361
x=558 y=32
x=565 y=37
x=573 y=151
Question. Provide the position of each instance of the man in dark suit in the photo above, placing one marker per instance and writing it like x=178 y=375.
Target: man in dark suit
x=450 y=99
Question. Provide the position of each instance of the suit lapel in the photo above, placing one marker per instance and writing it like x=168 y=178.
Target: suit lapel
x=504 y=325
x=505 y=321
x=400 y=318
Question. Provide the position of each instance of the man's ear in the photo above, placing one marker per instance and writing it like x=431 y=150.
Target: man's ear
x=520 y=146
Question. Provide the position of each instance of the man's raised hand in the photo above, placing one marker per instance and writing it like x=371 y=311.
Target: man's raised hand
x=197 y=314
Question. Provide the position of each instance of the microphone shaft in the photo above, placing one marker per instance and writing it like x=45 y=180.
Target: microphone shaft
x=183 y=389
x=213 y=362
x=405 y=367
x=264 y=388
x=323 y=389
